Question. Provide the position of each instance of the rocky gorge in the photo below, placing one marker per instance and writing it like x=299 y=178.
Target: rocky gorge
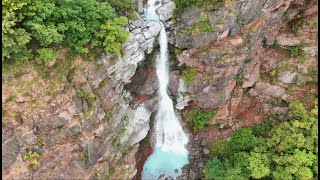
x=96 y=122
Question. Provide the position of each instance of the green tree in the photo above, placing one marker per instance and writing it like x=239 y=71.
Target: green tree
x=113 y=35
x=14 y=40
x=71 y=22
x=123 y=7
x=288 y=151
x=259 y=165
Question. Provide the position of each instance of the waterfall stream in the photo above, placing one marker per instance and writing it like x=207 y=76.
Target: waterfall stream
x=170 y=153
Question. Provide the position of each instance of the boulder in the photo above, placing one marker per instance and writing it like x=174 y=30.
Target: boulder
x=136 y=31
x=251 y=73
x=191 y=15
x=287 y=40
x=174 y=80
x=287 y=76
x=266 y=90
x=212 y=97
x=153 y=29
x=192 y=175
x=139 y=6
x=10 y=150
x=206 y=151
x=76 y=107
x=138 y=125
x=165 y=1
x=165 y=11
x=312 y=51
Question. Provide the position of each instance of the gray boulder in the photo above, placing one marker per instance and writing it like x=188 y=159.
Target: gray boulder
x=166 y=11
x=287 y=76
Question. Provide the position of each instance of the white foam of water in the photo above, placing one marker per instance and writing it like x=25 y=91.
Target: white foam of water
x=170 y=139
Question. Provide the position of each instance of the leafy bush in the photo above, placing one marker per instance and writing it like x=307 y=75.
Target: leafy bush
x=235 y=168
x=243 y=139
x=197 y=118
x=298 y=53
x=239 y=79
x=46 y=55
x=123 y=7
x=81 y=94
x=200 y=26
x=30 y=155
x=188 y=75
x=220 y=149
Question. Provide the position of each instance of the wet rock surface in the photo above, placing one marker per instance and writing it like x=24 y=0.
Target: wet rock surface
x=198 y=156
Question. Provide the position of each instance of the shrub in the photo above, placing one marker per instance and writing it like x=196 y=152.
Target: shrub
x=197 y=118
x=220 y=149
x=239 y=79
x=262 y=129
x=123 y=7
x=30 y=155
x=243 y=139
x=188 y=75
x=298 y=53
x=81 y=94
x=200 y=26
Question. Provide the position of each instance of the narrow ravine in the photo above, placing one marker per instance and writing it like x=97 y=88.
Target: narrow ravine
x=169 y=152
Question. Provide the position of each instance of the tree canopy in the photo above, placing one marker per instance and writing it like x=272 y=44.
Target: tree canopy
x=285 y=151
x=80 y=25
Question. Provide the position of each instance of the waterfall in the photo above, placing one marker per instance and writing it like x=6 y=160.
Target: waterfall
x=169 y=132
x=170 y=153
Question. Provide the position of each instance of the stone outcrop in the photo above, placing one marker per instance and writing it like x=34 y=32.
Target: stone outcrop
x=221 y=62
x=250 y=66
x=224 y=21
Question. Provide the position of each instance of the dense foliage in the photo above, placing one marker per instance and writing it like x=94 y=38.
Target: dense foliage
x=285 y=151
x=80 y=25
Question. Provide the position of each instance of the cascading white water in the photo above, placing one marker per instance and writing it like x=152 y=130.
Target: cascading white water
x=170 y=153
x=169 y=132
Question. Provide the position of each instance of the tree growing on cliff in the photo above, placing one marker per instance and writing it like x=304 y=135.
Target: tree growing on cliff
x=31 y=25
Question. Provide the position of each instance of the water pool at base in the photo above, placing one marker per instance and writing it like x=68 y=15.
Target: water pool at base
x=163 y=162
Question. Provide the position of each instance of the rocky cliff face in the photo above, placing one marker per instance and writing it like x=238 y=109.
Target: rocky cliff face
x=86 y=127
x=245 y=64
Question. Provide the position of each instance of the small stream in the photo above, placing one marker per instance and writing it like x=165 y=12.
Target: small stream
x=169 y=151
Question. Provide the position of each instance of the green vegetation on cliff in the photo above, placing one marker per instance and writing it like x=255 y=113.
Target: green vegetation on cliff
x=203 y=4
x=37 y=27
x=285 y=151
x=197 y=118
x=188 y=75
